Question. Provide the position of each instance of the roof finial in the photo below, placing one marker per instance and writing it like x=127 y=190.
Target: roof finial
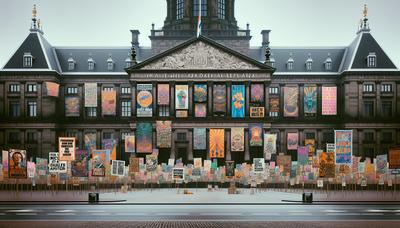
x=364 y=24
x=267 y=55
x=365 y=11
x=34 y=11
x=133 y=55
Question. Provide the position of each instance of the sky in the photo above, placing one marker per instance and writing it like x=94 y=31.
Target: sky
x=107 y=22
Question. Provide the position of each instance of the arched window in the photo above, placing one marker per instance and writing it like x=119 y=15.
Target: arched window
x=196 y=7
x=179 y=9
x=221 y=9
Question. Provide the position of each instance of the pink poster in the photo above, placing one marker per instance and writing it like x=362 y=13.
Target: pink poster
x=329 y=100
x=292 y=141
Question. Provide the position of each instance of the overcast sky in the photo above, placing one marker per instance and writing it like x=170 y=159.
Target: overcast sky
x=107 y=22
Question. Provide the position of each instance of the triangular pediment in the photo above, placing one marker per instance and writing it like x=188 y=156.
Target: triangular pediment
x=201 y=54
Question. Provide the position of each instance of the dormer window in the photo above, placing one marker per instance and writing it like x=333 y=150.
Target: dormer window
x=27 y=60
x=110 y=64
x=328 y=64
x=290 y=63
x=128 y=62
x=309 y=63
x=272 y=61
x=91 y=64
x=71 y=64
x=371 y=59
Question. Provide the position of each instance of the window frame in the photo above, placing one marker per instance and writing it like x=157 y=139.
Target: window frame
x=27 y=60
x=126 y=108
x=371 y=60
x=31 y=108
x=180 y=6
x=14 y=88
x=31 y=88
x=204 y=8
x=221 y=9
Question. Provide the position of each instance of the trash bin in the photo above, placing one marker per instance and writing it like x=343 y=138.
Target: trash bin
x=93 y=197
x=307 y=197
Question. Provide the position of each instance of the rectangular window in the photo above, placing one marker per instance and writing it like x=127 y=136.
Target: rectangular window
x=163 y=110
x=14 y=88
x=368 y=88
x=32 y=108
x=179 y=9
x=110 y=66
x=369 y=136
x=91 y=65
x=371 y=60
x=273 y=90
x=126 y=90
x=71 y=65
x=328 y=137
x=221 y=9
x=27 y=60
x=328 y=65
x=14 y=109
x=386 y=88
x=387 y=137
x=290 y=65
x=309 y=65
x=309 y=135
x=32 y=88
x=108 y=88
x=107 y=135
x=181 y=136
x=273 y=114
x=387 y=108
x=196 y=8
x=14 y=137
x=72 y=90
x=31 y=137
x=126 y=108
x=368 y=108
x=91 y=112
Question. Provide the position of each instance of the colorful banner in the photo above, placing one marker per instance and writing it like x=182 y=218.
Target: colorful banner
x=72 y=107
x=31 y=169
x=257 y=112
x=181 y=97
x=66 y=148
x=269 y=145
x=200 y=93
x=80 y=167
x=238 y=101
x=52 y=89
x=90 y=94
x=310 y=99
x=133 y=165
x=144 y=137
x=257 y=93
x=310 y=144
x=219 y=98
x=381 y=164
x=291 y=108
x=130 y=144
x=284 y=162
x=229 y=169
x=90 y=141
x=343 y=146
x=144 y=100
x=164 y=134
x=302 y=155
x=117 y=168
x=217 y=143
x=200 y=110
x=199 y=139
x=17 y=164
x=292 y=141
x=274 y=104
x=111 y=146
x=99 y=163
x=163 y=94
x=256 y=134
x=329 y=104
x=151 y=162
x=394 y=158
x=41 y=166
x=237 y=139
x=108 y=102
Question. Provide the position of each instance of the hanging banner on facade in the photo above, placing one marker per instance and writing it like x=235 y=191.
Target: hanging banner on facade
x=219 y=98
x=326 y=161
x=274 y=104
x=117 y=168
x=269 y=145
x=181 y=97
x=284 y=162
x=130 y=144
x=329 y=104
x=292 y=141
x=310 y=144
x=90 y=94
x=381 y=164
x=257 y=93
x=151 y=162
x=144 y=100
x=164 y=134
x=237 y=139
x=66 y=148
x=291 y=108
x=133 y=165
x=257 y=112
x=200 y=110
x=17 y=164
x=217 y=143
x=163 y=94
x=52 y=89
x=99 y=163
x=256 y=134
x=302 y=155
x=80 y=167
x=310 y=99
x=90 y=141
x=238 y=101
x=394 y=158
x=200 y=93
x=72 y=106
x=41 y=166
x=199 y=139
x=258 y=165
x=144 y=137
x=229 y=169
x=108 y=102
x=343 y=146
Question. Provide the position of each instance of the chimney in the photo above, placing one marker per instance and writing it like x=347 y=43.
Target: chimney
x=265 y=37
x=135 y=38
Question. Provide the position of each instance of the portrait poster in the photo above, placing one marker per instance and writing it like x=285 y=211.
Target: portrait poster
x=144 y=100
x=164 y=134
x=326 y=162
x=237 y=139
x=199 y=139
x=181 y=97
x=381 y=164
x=219 y=98
x=178 y=174
x=329 y=104
x=163 y=94
x=217 y=143
x=394 y=158
x=130 y=144
x=292 y=141
x=108 y=102
x=151 y=162
x=290 y=105
x=258 y=165
x=200 y=110
x=72 y=107
x=269 y=145
x=197 y=163
x=284 y=162
x=99 y=163
x=17 y=164
x=343 y=146
x=257 y=93
x=257 y=112
x=117 y=168
x=229 y=169
x=90 y=141
x=54 y=164
x=238 y=101
x=66 y=148
x=41 y=166
x=256 y=134
x=310 y=144
x=80 y=166
x=133 y=165
x=52 y=89
x=274 y=104
x=200 y=93
x=310 y=100
x=144 y=137
x=90 y=94
x=302 y=155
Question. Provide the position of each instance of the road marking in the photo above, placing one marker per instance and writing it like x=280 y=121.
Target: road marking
x=132 y=214
x=172 y=213
x=65 y=211
x=335 y=211
x=265 y=214
x=61 y=214
x=26 y=214
x=22 y=210
x=299 y=214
